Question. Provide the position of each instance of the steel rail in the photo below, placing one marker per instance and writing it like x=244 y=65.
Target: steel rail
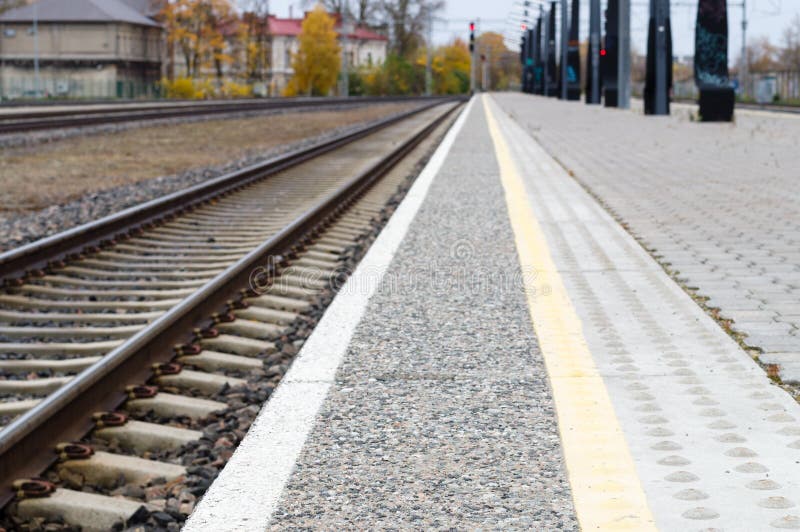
x=38 y=255
x=61 y=118
x=26 y=445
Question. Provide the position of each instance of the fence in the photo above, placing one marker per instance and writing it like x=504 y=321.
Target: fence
x=69 y=88
x=764 y=87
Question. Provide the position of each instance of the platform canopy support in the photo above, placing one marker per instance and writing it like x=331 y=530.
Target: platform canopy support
x=658 y=80
x=717 y=98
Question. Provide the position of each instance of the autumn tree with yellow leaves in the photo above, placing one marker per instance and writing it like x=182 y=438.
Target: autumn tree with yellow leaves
x=451 y=66
x=195 y=29
x=505 y=69
x=317 y=61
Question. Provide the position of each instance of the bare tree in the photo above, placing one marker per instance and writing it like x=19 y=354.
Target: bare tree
x=790 y=55
x=407 y=20
x=763 y=56
x=255 y=38
x=335 y=7
x=366 y=11
x=5 y=5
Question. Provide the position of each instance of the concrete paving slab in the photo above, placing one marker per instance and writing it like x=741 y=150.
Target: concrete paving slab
x=715 y=198
x=715 y=442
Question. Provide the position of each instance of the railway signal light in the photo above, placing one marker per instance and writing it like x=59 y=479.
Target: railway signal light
x=471 y=37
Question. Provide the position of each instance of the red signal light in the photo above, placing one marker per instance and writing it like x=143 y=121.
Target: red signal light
x=471 y=26
x=602 y=52
x=524 y=27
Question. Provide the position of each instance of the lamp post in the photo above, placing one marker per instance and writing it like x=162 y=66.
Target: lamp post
x=564 y=41
x=347 y=29
x=35 y=50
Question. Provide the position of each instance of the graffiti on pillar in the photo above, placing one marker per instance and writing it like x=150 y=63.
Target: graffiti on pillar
x=711 y=44
x=717 y=99
x=574 y=54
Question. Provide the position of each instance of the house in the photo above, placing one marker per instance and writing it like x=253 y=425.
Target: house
x=361 y=46
x=84 y=48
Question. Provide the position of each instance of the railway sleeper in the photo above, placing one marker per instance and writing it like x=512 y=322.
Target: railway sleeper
x=263 y=314
x=96 y=513
x=339 y=244
x=327 y=247
x=237 y=345
x=105 y=469
x=214 y=361
x=135 y=275
x=170 y=258
x=60 y=349
x=307 y=271
x=33 y=386
x=277 y=302
x=170 y=405
x=207 y=383
x=67 y=365
x=23 y=302
x=63 y=280
x=182 y=266
x=16 y=317
x=101 y=294
x=310 y=282
x=287 y=287
x=318 y=263
x=252 y=329
x=123 y=331
x=16 y=408
x=142 y=437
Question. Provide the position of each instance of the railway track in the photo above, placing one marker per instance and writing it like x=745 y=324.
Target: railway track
x=79 y=116
x=128 y=345
x=767 y=107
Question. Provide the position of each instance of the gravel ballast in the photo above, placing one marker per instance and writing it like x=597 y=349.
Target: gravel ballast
x=18 y=229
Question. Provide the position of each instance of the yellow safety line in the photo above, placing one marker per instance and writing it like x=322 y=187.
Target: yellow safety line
x=605 y=486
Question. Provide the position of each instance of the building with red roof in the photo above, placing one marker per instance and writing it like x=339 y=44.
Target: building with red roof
x=361 y=47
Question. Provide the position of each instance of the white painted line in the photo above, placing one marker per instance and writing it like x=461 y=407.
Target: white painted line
x=248 y=490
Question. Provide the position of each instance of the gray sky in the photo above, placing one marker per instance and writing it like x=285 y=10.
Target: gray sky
x=766 y=18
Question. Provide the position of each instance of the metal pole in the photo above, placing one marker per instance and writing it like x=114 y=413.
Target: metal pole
x=624 y=65
x=2 y=64
x=473 y=69
x=564 y=39
x=546 y=55
x=487 y=70
x=594 y=39
x=35 y=51
x=428 y=45
x=660 y=10
x=745 y=66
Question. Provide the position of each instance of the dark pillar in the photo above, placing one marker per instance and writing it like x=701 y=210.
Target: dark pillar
x=711 y=61
x=611 y=58
x=551 y=79
x=529 y=46
x=658 y=81
x=574 y=54
x=538 y=62
x=593 y=78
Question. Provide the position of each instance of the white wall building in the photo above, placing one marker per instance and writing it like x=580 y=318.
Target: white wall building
x=362 y=47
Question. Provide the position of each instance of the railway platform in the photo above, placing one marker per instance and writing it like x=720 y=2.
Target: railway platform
x=508 y=355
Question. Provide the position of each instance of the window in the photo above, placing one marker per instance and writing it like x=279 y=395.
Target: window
x=10 y=32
